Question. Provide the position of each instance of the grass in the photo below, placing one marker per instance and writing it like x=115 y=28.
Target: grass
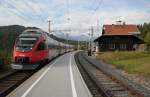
x=131 y=62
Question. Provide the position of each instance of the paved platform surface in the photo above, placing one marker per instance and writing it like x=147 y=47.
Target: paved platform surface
x=60 y=78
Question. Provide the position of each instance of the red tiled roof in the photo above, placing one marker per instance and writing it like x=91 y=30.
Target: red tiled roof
x=120 y=29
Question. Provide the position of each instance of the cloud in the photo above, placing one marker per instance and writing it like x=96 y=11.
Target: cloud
x=81 y=14
x=86 y=19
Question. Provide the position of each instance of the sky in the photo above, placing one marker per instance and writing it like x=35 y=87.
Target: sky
x=75 y=15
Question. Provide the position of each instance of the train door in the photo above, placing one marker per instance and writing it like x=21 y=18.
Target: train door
x=42 y=52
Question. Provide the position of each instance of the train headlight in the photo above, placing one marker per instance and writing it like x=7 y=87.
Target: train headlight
x=17 y=48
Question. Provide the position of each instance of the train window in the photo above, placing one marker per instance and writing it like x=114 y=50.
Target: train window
x=50 y=46
x=41 y=46
x=26 y=41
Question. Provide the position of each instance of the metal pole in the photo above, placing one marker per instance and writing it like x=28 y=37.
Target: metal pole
x=78 y=44
x=91 y=44
x=67 y=36
x=49 y=26
x=87 y=44
x=89 y=48
x=89 y=41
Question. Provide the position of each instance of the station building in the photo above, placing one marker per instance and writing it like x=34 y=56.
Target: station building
x=121 y=37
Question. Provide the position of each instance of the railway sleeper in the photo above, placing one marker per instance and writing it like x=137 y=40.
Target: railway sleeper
x=119 y=92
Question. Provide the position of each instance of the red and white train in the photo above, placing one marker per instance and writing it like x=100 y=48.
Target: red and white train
x=34 y=47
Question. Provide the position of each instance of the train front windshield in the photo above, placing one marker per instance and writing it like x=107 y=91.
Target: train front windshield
x=25 y=44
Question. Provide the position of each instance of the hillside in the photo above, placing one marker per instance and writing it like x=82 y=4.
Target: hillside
x=8 y=35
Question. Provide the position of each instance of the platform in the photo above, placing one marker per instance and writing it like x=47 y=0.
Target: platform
x=60 y=78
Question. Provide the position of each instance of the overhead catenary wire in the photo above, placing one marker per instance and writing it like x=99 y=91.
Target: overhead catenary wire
x=68 y=9
x=92 y=28
x=68 y=19
x=98 y=6
x=13 y=8
x=5 y=5
x=26 y=2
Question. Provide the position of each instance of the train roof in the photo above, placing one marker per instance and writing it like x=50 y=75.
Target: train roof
x=35 y=32
x=31 y=33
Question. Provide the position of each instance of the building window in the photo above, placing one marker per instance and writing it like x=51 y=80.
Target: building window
x=112 y=46
x=101 y=45
x=123 y=46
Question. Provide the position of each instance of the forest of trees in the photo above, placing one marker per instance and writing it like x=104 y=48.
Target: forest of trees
x=145 y=32
x=8 y=35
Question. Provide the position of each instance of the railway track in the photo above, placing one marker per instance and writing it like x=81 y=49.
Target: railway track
x=100 y=83
x=11 y=81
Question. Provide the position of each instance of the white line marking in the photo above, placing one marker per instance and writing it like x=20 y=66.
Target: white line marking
x=42 y=75
x=74 y=93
